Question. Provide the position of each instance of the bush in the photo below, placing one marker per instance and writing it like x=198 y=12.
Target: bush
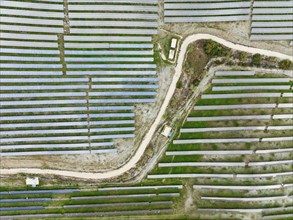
x=242 y=56
x=218 y=62
x=272 y=59
x=196 y=82
x=179 y=85
x=213 y=49
x=256 y=59
x=285 y=64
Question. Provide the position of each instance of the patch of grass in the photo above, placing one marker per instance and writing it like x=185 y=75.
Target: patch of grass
x=196 y=61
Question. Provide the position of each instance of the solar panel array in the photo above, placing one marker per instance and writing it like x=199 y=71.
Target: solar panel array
x=206 y=11
x=71 y=74
x=272 y=20
x=237 y=150
x=108 y=201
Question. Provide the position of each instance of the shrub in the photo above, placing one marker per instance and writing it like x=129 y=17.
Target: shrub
x=256 y=59
x=242 y=56
x=218 y=62
x=285 y=64
x=213 y=48
x=179 y=85
x=272 y=59
x=196 y=82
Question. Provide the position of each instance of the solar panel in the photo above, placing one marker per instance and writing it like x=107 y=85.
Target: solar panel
x=29 y=59
x=53 y=109
x=108 y=31
x=125 y=86
x=122 y=93
x=109 y=59
x=43 y=37
x=101 y=7
x=106 y=38
x=28 y=12
x=34 y=21
x=30 y=66
x=113 y=14
x=44 y=117
x=124 y=79
x=108 y=52
x=32 y=5
x=44 y=87
x=111 y=115
x=207 y=19
x=57 y=152
x=55 y=131
x=111 y=66
x=45 y=124
x=29 y=51
x=43 y=80
x=116 y=122
x=121 y=100
x=27 y=28
x=110 y=72
x=142 y=24
x=15 y=43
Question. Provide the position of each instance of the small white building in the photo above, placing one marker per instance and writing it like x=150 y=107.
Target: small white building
x=171 y=54
x=32 y=181
x=172 y=50
x=174 y=43
x=167 y=132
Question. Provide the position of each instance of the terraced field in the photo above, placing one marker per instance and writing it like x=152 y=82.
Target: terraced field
x=71 y=73
x=235 y=147
x=107 y=201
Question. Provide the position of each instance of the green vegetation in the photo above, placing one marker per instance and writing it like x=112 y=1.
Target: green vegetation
x=179 y=85
x=242 y=56
x=286 y=64
x=214 y=49
x=256 y=59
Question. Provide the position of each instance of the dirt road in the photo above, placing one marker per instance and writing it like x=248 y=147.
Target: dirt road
x=148 y=137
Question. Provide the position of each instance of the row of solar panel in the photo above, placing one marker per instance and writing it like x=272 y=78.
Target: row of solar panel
x=272 y=20
x=79 y=7
x=75 y=66
x=50 y=15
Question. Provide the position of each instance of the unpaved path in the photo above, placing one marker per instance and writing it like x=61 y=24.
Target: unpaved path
x=148 y=137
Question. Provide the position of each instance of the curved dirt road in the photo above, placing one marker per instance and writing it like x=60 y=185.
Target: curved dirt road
x=148 y=137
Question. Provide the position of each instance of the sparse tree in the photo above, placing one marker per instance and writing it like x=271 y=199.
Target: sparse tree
x=256 y=59
x=242 y=56
x=179 y=85
x=213 y=49
x=285 y=64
